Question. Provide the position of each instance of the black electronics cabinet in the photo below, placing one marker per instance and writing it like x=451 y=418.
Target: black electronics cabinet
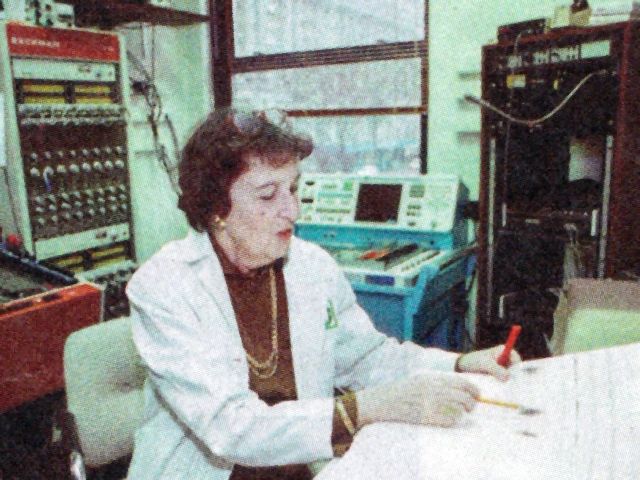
x=560 y=194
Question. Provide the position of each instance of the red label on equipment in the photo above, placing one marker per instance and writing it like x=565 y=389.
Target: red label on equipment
x=57 y=43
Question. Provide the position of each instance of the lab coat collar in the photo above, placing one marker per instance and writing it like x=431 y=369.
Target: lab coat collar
x=195 y=246
x=196 y=250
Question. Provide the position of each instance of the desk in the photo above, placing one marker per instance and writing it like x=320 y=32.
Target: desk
x=589 y=428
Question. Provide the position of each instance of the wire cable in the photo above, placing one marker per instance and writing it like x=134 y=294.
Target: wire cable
x=150 y=92
x=534 y=121
x=173 y=170
x=154 y=102
x=139 y=66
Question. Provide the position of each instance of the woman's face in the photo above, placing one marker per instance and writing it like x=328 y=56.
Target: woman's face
x=264 y=207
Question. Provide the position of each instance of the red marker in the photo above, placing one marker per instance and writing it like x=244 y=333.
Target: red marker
x=504 y=357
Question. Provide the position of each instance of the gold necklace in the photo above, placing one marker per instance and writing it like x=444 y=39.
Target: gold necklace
x=268 y=368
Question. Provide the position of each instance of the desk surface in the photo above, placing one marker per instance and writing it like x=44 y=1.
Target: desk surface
x=589 y=428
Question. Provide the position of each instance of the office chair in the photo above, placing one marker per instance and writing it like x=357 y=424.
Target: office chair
x=103 y=378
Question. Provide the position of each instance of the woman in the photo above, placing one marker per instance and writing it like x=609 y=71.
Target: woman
x=246 y=330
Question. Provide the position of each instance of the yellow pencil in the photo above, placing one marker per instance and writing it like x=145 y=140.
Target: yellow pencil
x=499 y=403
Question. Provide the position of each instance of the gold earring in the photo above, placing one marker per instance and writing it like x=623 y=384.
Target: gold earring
x=218 y=223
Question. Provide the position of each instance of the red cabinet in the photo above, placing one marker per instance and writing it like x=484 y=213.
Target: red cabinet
x=32 y=335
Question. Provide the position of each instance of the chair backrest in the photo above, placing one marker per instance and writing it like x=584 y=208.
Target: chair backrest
x=104 y=377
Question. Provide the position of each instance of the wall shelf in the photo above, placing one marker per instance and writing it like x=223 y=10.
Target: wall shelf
x=110 y=13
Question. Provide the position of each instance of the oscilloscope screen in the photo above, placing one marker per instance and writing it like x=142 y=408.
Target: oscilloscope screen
x=378 y=203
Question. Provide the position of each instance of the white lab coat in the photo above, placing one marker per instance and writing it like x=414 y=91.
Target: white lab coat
x=200 y=415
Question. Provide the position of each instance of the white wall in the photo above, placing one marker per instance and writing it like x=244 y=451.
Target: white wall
x=182 y=76
x=457 y=32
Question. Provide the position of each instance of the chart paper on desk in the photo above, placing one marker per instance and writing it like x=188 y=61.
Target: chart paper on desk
x=503 y=443
x=588 y=429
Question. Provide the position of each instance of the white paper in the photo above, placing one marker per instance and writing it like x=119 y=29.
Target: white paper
x=587 y=428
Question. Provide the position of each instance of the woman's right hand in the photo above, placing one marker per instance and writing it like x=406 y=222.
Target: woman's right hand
x=427 y=399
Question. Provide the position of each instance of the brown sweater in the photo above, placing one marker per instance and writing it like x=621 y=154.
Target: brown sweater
x=251 y=298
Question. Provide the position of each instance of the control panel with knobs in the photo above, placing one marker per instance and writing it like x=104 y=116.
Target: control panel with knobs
x=67 y=138
x=92 y=187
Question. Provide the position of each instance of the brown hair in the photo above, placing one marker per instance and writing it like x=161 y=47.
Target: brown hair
x=216 y=155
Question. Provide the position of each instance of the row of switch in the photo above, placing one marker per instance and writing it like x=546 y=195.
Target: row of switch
x=70 y=115
x=74 y=222
x=83 y=208
x=74 y=155
x=81 y=216
x=73 y=169
x=88 y=197
x=36 y=111
x=63 y=121
x=85 y=165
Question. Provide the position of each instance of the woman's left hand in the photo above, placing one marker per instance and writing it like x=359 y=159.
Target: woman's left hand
x=486 y=361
